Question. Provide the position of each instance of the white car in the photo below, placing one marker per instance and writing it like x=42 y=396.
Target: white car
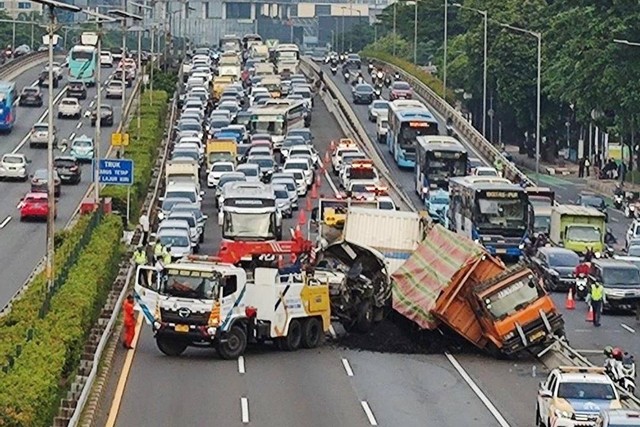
x=633 y=233
x=336 y=159
x=304 y=150
x=57 y=70
x=69 y=107
x=106 y=59
x=378 y=108
x=250 y=171
x=14 y=166
x=574 y=396
x=485 y=171
x=217 y=169
x=301 y=164
x=115 y=89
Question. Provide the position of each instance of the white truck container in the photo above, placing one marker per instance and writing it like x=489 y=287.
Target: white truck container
x=395 y=234
x=182 y=171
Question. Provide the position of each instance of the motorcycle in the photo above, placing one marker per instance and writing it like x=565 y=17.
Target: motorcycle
x=377 y=92
x=334 y=69
x=346 y=76
x=622 y=372
x=449 y=127
x=609 y=238
x=370 y=69
x=396 y=76
x=387 y=81
x=582 y=288
x=618 y=200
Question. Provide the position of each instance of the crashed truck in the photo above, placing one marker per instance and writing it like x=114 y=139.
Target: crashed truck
x=450 y=282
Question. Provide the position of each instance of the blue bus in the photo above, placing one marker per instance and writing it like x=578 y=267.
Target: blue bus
x=405 y=125
x=438 y=158
x=83 y=61
x=492 y=211
x=8 y=96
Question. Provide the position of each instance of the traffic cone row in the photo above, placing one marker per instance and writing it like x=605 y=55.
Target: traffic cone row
x=302 y=218
x=314 y=192
x=318 y=181
x=280 y=261
x=570 y=303
x=590 y=314
x=309 y=206
x=327 y=159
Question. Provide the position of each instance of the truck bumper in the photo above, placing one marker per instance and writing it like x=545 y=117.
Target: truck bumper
x=194 y=334
x=534 y=333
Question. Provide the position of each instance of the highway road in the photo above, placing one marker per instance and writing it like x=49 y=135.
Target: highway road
x=329 y=386
x=22 y=245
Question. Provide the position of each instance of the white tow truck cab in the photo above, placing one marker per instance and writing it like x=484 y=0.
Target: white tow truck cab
x=345 y=146
x=360 y=170
x=197 y=302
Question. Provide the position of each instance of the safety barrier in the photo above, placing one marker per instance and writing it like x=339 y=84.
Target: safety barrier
x=16 y=64
x=460 y=124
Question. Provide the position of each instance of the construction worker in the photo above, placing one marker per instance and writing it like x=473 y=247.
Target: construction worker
x=597 y=299
x=139 y=256
x=166 y=255
x=158 y=250
x=129 y=322
x=497 y=164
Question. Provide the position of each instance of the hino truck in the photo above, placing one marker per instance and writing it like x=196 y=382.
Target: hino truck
x=199 y=302
x=578 y=228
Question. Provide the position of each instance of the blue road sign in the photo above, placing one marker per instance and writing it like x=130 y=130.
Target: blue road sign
x=116 y=171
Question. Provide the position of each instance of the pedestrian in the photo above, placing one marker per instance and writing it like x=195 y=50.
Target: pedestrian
x=587 y=164
x=166 y=255
x=597 y=300
x=129 y=322
x=144 y=225
x=581 y=168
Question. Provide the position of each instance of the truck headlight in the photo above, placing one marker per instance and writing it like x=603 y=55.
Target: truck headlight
x=509 y=336
x=156 y=325
x=211 y=331
x=563 y=414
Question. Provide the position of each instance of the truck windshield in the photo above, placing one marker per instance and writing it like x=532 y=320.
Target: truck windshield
x=501 y=213
x=540 y=201
x=189 y=284
x=257 y=226
x=512 y=298
x=541 y=223
x=583 y=233
x=586 y=391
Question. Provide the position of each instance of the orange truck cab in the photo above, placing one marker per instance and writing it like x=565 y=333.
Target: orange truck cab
x=499 y=310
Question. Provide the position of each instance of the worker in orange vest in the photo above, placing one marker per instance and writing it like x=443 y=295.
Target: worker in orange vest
x=129 y=322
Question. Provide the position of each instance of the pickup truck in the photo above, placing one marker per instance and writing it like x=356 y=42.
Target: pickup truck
x=69 y=107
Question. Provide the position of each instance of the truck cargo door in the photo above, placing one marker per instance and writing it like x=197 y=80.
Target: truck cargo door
x=147 y=285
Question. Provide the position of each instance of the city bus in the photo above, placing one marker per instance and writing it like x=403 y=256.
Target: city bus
x=277 y=120
x=492 y=211
x=438 y=158
x=405 y=125
x=83 y=61
x=8 y=95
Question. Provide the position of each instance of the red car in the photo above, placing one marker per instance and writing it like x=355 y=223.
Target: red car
x=35 y=206
x=401 y=90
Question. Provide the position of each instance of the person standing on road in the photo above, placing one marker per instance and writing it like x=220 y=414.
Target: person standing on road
x=597 y=299
x=139 y=256
x=587 y=165
x=158 y=249
x=144 y=225
x=129 y=322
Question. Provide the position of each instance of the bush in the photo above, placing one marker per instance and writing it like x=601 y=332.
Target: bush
x=31 y=390
x=24 y=312
x=142 y=151
x=428 y=79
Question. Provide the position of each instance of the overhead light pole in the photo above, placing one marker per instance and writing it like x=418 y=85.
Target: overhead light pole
x=538 y=36
x=50 y=39
x=444 y=65
x=485 y=16
x=343 y=9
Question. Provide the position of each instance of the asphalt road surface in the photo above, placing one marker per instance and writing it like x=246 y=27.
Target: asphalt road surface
x=328 y=386
x=22 y=244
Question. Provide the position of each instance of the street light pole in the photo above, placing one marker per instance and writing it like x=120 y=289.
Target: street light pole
x=444 y=68
x=538 y=36
x=342 y=44
x=415 y=34
x=395 y=6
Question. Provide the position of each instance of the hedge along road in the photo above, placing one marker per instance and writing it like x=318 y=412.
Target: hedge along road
x=323 y=387
x=22 y=244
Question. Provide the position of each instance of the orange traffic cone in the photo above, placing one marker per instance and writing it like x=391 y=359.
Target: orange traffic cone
x=318 y=181
x=309 y=206
x=314 y=192
x=302 y=218
x=590 y=314
x=327 y=159
x=570 y=303
x=297 y=233
x=332 y=146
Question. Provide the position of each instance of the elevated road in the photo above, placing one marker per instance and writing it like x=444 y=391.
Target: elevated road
x=22 y=245
x=325 y=387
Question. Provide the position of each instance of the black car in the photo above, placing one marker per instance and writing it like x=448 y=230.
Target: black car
x=43 y=80
x=363 y=94
x=556 y=266
x=592 y=200
x=68 y=169
x=39 y=182
x=31 y=96
x=106 y=116
x=621 y=281
x=77 y=90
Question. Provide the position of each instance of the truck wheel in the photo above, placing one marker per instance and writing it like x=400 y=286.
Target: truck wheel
x=171 y=348
x=234 y=345
x=364 y=321
x=294 y=338
x=312 y=333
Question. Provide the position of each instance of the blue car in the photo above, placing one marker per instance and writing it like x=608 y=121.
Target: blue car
x=437 y=204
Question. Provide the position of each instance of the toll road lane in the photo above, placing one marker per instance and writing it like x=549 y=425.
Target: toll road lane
x=22 y=244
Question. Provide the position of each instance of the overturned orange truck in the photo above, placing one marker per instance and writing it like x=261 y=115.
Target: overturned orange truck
x=450 y=280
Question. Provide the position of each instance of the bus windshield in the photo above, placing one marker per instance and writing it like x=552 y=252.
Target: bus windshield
x=274 y=126
x=249 y=225
x=439 y=170
x=512 y=298
x=80 y=55
x=409 y=131
x=288 y=55
x=501 y=213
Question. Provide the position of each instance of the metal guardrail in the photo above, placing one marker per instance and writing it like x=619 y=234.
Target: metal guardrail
x=14 y=65
x=461 y=125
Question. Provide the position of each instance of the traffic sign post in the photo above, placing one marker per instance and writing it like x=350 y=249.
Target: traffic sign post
x=117 y=172
x=120 y=139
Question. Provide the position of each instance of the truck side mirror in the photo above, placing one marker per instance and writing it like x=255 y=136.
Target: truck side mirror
x=314 y=214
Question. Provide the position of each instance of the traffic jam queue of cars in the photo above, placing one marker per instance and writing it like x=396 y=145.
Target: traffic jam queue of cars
x=80 y=150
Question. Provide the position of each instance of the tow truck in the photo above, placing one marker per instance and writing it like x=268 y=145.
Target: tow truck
x=345 y=145
x=362 y=171
x=200 y=301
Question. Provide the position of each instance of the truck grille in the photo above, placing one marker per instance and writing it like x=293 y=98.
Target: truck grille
x=184 y=316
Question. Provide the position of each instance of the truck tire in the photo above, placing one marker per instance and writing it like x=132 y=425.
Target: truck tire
x=171 y=348
x=312 y=333
x=364 y=320
x=294 y=338
x=234 y=345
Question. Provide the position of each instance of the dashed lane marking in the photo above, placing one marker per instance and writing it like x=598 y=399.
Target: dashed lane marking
x=628 y=328
x=241 y=368
x=369 y=413
x=5 y=222
x=244 y=408
x=347 y=367
x=79 y=125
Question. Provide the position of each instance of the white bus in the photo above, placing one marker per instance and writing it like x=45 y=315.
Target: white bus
x=287 y=54
x=278 y=119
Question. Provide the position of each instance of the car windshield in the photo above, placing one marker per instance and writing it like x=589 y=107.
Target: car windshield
x=301 y=132
x=583 y=233
x=14 y=160
x=40 y=174
x=385 y=205
x=486 y=172
x=281 y=193
x=249 y=171
x=296 y=166
x=288 y=184
x=189 y=218
x=177 y=241
x=380 y=105
x=183 y=284
x=222 y=167
x=401 y=86
x=364 y=89
x=512 y=298
x=41 y=128
x=360 y=188
x=620 y=276
x=64 y=163
x=263 y=162
x=69 y=102
x=84 y=143
x=592 y=201
x=290 y=142
x=30 y=90
x=586 y=391
x=563 y=259
x=191 y=195
x=194 y=126
x=219 y=124
x=634 y=251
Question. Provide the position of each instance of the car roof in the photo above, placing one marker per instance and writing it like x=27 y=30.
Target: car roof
x=613 y=263
x=36 y=195
x=583 y=377
x=555 y=250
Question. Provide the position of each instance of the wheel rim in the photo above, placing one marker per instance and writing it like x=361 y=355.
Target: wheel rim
x=233 y=343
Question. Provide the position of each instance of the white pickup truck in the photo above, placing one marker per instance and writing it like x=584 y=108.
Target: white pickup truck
x=69 y=107
x=382 y=125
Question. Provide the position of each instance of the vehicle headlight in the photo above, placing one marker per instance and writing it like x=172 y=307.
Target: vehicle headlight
x=632 y=208
x=563 y=414
x=211 y=331
x=509 y=335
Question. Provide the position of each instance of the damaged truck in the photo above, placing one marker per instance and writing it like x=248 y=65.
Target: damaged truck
x=452 y=283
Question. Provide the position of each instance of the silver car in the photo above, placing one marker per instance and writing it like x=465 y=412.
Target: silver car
x=378 y=108
x=114 y=89
x=283 y=202
x=14 y=166
x=39 y=136
x=290 y=184
x=178 y=240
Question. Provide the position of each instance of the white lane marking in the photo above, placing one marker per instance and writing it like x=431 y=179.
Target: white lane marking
x=614 y=219
x=369 y=413
x=35 y=83
x=79 y=125
x=347 y=367
x=331 y=184
x=485 y=400
x=332 y=331
x=5 y=222
x=40 y=119
x=73 y=135
x=241 y=365
x=624 y=326
x=587 y=351
x=91 y=104
x=244 y=407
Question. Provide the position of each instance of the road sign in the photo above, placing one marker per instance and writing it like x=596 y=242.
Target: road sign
x=116 y=171
x=120 y=139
